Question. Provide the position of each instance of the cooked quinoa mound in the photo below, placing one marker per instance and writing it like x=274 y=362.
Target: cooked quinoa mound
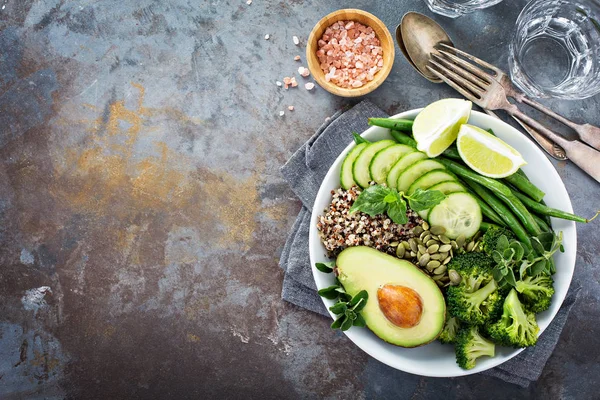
x=339 y=229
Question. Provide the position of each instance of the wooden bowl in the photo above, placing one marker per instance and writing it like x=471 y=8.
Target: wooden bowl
x=365 y=18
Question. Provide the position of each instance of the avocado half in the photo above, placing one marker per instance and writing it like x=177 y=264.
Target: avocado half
x=405 y=307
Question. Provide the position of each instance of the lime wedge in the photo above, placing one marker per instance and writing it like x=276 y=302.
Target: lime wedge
x=486 y=154
x=437 y=125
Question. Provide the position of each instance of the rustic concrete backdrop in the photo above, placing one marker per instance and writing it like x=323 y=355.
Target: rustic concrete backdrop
x=142 y=211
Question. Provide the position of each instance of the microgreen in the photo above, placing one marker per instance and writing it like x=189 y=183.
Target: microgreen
x=379 y=199
x=347 y=308
x=326 y=267
x=359 y=139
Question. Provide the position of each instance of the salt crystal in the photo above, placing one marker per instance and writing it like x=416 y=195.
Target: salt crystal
x=303 y=71
x=296 y=40
x=291 y=108
x=278 y=83
x=249 y=2
x=309 y=86
x=293 y=81
x=267 y=36
x=297 y=58
x=281 y=113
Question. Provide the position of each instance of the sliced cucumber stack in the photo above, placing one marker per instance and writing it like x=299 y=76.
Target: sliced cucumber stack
x=448 y=187
x=360 y=167
x=459 y=213
x=429 y=179
x=401 y=165
x=346 y=177
x=415 y=171
x=385 y=159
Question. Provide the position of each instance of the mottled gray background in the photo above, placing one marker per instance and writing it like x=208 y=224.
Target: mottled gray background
x=142 y=212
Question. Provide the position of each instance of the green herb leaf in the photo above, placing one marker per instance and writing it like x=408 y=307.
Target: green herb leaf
x=497 y=256
x=392 y=197
x=497 y=273
x=359 y=139
x=350 y=314
x=397 y=212
x=538 y=267
x=508 y=255
x=510 y=278
x=424 y=199
x=346 y=324
x=502 y=243
x=518 y=250
x=330 y=292
x=371 y=200
x=325 y=267
x=362 y=295
x=359 y=321
x=338 y=308
x=337 y=324
x=547 y=239
x=523 y=269
x=537 y=246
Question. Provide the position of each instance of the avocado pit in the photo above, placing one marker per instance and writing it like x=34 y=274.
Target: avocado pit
x=401 y=305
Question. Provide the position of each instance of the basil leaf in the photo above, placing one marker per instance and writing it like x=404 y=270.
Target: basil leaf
x=359 y=139
x=325 y=267
x=338 y=308
x=538 y=267
x=392 y=197
x=346 y=324
x=359 y=321
x=362 y=295
x=424 y=199
x=397 y=212
x=371 y=200
x=330 y=292
x=502 y=243
x=337 y=324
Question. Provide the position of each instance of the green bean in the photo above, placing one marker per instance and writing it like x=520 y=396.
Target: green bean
x=500 y=190
x=452 y=152
x=502 y=210
x=403 y=138
x=486 y=210
x=545 y=218
x=486 y=225
x=524 y=185
x=545 y=210
x=543 y=225
x=394 y=124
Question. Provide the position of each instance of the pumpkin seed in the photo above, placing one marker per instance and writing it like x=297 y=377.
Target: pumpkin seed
x=425 y=225
x=417 y=230
x=470 y=247
x=439 y=283
x=413 y=254
x=394 y=244
x=454 y=244
x=433 y=248
x=438 y=230
x=423 y=235
x=455 y=277
x=447 y=260
x=407 y=255
x=427 y=238
x=406 y=245
x=419 y=254
x=400 y=250
x=445 y=248
x=476 y=246
x=433 y=264
x=413 y=245
x=437 y=256
x=438 y=278
x=424 y=259
x=423 y=249
x=444 y=239
x=440 y=270
x=443 y=254
x=460 y=241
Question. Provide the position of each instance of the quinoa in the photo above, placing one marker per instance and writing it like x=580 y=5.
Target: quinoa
x=339 y=229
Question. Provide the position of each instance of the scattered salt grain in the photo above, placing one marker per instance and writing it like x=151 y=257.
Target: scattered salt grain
x=281 y=113
x=296 y=40
x=291 y=108
x=309 y=86
x=286 y=82
x=303 y=71
x=293 y=81
x=267 y=36
x=278 y=83
x=249 y=2
x=297 y=58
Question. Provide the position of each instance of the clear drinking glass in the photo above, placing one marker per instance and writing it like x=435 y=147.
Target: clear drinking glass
x=456 y=8
x=555 y=51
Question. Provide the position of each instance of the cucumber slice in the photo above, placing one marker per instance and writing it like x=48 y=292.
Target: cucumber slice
x=360 y=167
x=346 y=178
x=444 y=187
x=459 y=213
x=429 y=179
x=385 y=159
x=415 y=171
x=401 y=165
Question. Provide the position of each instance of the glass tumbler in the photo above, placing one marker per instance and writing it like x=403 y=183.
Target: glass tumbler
x=555 y=51
x=456 y=8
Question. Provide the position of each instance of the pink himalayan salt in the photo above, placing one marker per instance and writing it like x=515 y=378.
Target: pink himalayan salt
x=349 y=54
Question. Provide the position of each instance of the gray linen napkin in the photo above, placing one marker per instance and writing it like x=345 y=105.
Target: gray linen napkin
x=305 y=171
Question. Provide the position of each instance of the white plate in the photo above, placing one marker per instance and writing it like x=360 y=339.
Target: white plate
x=435 y=359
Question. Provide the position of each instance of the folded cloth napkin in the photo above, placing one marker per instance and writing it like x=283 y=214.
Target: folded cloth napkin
x=305 y=171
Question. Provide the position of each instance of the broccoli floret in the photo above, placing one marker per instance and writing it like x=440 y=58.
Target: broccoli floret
x=516 y=327
x=470 y=345
x=489 y=241
x=475 y=299
x=451 y=327
x=537 y=292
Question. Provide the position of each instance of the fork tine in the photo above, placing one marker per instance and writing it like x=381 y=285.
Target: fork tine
x=459 y=80
x=481 y=74
x=451 y=83
x=474 y=79
x=472 y=58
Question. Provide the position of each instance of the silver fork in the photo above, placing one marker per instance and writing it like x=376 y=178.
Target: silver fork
x=587 y=133
x=489 y=94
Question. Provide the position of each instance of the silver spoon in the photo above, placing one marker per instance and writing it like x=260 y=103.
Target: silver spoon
x=418 y=35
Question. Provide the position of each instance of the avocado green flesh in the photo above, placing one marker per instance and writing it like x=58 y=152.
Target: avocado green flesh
x=364 y=268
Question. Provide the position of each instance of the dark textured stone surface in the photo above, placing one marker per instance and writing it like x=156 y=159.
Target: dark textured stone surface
x=142 y=212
